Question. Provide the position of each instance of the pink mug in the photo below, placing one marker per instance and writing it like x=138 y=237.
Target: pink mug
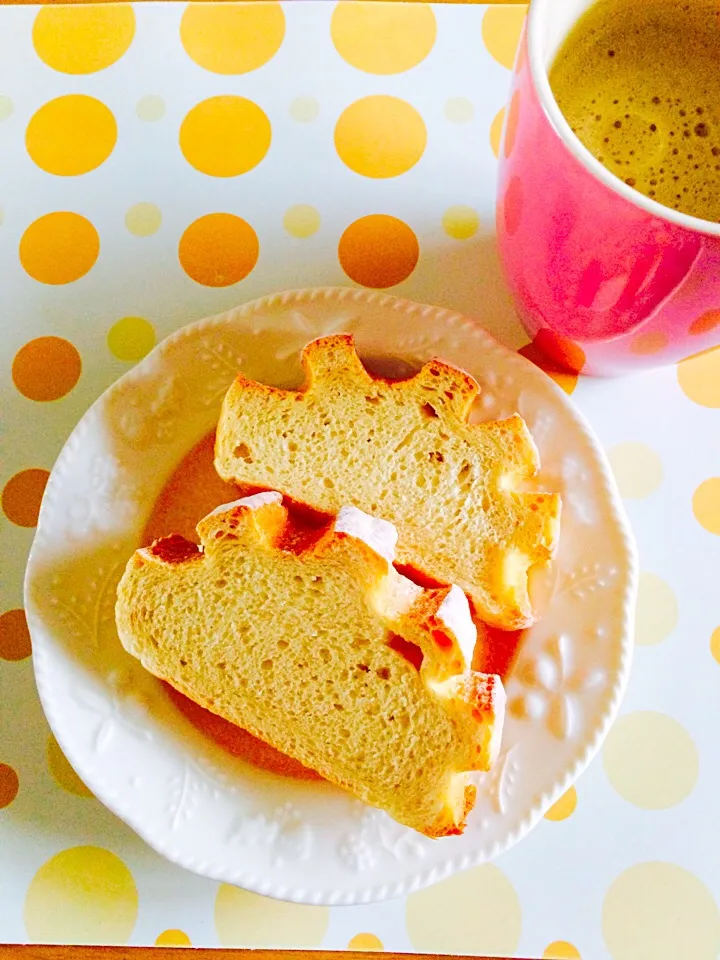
x=605 y=279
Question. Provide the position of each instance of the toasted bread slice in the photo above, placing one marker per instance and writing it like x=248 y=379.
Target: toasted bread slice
x=402 y=451
x=305 y=638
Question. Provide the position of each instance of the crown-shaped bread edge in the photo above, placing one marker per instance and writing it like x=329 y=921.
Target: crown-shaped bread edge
x=454 y=391
x=436 y=620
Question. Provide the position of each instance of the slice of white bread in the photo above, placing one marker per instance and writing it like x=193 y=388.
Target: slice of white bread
x=305 y=638
x=402 y=451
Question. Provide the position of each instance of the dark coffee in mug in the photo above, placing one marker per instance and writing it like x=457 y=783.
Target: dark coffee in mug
x=639 y=83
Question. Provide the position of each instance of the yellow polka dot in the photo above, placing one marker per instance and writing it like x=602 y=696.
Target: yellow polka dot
x=143 y=219
x=656 y=613
x=83 y=39
x=218 y=249
x=380 y=136
x=501 y=30
x=461 y=222
x=563 y=807
x=378 y=251
x=173 y=938
x=6 y=107
x=365 y=941
x=650 y=759
x=246 y=919
x=473 y=912
x=81 y=895
x=22 y=496
x=459 y=110
x=637 y=468
x=63 y=774
x=304 y=109
x=714 y=644
x=9 y=785
x=301 y=220
x=383 y=38
x=645 y=344
x=496 y=131
x=225 y=136
x=561 y=950
x=46 y=368
x=706 y=505
x=131 y=338
x=150 y=108
x=71 y=135
x=699 y=378
x=231 y=38
x=660 y=911
x=15 y=643
x=59 y=248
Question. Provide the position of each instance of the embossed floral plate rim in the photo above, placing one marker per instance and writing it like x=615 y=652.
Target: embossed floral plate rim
x=307 y=842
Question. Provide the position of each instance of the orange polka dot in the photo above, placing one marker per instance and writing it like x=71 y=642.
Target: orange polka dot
x=496 y=128
x=232 y=38
x=705 y=323
x=173 y=938
x=15 y=641
x=563 y=378
x=22 y=496
x=378 y=251
x=521 y=54
x=225 y=136
x=561 y=349
x=653 y=341
x=46 y=368
x=59 y=247
x=561 y=950
x=563 y=807
x=512 y=205
x=83 y=38
x=218 y=250
x=9 y=785
x=71 y=135
x=501 y=31
x=513 y=115
x=365 y=941
x=512 y=122
x=699 y=377
x=706 y=505
x=383 y=38
x=380 y=136
x=715 y=644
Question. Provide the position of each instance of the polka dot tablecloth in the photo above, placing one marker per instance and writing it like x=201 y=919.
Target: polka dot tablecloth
x=162 y=163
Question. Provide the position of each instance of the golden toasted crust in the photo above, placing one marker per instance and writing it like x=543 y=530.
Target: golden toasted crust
x=290 y=636
x=404 y=451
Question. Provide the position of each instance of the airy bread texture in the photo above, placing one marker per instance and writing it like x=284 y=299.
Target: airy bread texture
x=402 y=451
x=310 y=639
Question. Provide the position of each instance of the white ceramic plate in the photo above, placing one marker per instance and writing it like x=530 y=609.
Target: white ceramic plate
x=216 y=815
